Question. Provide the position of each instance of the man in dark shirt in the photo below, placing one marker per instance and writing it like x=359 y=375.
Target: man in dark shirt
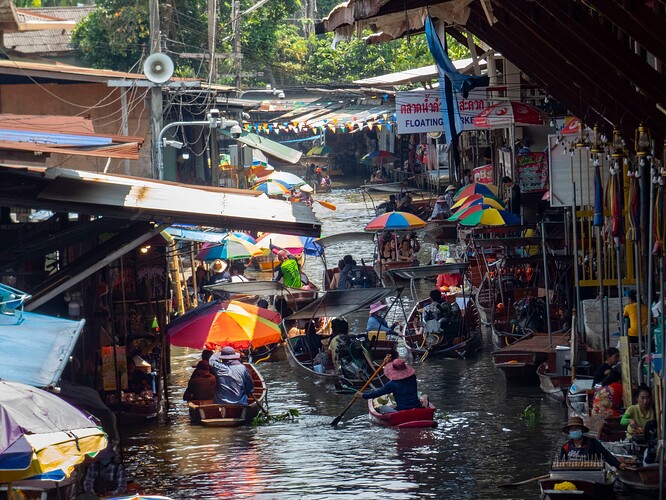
x=513 y=198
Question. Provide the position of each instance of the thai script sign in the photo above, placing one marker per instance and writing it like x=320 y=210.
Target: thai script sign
x=532 y=172
x=419 y=112
x=483 y=174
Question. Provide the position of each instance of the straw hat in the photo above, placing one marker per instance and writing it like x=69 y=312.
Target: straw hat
x=306 y=188
x=398 y=370
x=229 y=352
x=377 y=306
x=574 y=422
x=219 y=266
x=450 y=188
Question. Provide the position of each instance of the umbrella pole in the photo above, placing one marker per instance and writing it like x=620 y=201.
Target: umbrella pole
x=650 y=277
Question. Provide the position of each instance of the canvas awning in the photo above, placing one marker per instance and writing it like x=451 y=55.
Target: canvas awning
x=336 y=239
x=340 y=302
x=36 y=351
x=255 y=288
x=271 y=148
x=418 y=272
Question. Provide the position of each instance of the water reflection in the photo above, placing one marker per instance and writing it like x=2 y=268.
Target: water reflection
x=480 y=441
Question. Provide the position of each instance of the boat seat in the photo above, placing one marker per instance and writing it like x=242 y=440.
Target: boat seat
x=379 y=334
x=215 y=411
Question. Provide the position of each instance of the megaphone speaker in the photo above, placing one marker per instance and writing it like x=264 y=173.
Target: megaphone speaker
x=158 y=67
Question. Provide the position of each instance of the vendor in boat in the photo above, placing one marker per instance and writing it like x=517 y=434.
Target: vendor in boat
x=402 y=383
x=611 y=358
x=288 y=271
x=377 y=322
x=233 y=381
x=106 y=476
x=637 y=416
x=442 y=208
x=446 y=280
x=220 y=275
x=608 y=398
x=580 y=447
x=202 y=384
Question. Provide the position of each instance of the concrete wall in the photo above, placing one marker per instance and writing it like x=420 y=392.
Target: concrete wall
x=94 y=100
x=594 y=321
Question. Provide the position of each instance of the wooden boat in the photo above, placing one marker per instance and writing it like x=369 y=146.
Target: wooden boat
x=210 y=414
x=555 y=373
x=416 y=417
x=366 y=277
x=351 y=368
x=296 y=298
x=383 y=187
x=467 y=342
x=590 y=484
x=579 y=400
x=642 y=480
x=520 y=360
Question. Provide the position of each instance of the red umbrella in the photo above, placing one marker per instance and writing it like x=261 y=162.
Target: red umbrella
x=505 y=114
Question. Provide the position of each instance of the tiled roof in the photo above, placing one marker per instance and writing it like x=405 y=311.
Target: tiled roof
x=46 y=41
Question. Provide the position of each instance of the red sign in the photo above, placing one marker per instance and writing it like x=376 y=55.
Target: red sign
x=532 y=172
x=483 y=174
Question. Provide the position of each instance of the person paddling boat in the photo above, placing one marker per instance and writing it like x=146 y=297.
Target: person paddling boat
x=402 y=383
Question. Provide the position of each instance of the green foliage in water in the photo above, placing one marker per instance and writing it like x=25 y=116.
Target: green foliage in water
x=263 y=419
x=530 y=415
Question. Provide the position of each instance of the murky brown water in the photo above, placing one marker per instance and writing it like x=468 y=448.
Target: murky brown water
x=480 y=441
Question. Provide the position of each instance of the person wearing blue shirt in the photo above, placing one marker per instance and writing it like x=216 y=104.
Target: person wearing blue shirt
x=234 y=382
x=402 y=384
x=377 y=323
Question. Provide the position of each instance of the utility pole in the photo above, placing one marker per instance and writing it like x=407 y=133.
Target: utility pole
x=235 y=22
x=155 y=90
x=212 y=76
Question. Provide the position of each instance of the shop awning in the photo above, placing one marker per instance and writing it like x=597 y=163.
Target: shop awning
x=336 y=239
x=144 y=199
x=36 y=351
x=419 y=272
x=271 y=148
x=415 y=75
x=339 y=303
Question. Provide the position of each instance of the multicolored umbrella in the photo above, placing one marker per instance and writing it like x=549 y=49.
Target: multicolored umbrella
x=272 y=187
x=41 y=433
x=466 y=211
x=378 y=157
x=476 y=188
x=292 y=244
x=230 y=248
x=491 y=217
x=287 y=178
x=466 y=201
x=232 y=323
x=505 y=114
x=396 y=221
x=243 y=236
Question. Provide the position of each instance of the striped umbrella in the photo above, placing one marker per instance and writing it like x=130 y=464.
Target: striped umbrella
x=292 y=244
x=230 y=248
x=272 y=187
x=395 y=221
x=478 y=199
x=491 y=217
x=465 y=211
x=476 y=188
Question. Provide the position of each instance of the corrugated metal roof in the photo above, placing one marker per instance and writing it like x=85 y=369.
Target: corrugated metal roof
x=353 y=114
x=46 y=41
x=160 y=201
x=423 y=74
x=13 y=19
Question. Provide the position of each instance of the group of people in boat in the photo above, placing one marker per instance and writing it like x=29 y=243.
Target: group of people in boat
x=350 y=275
x=394 y=249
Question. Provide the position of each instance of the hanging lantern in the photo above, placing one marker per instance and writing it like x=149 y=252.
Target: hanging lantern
x=581 y=140
x=618 y=145
x=642 y=140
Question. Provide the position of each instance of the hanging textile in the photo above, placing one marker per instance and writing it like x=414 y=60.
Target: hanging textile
x=634 y=212
x=598 y=197
x=615 y=203
x=659 y=220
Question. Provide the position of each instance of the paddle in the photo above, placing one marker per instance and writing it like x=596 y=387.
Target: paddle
x=527 y=481
x=326 y=204
x=337 y=419
x=261 y=407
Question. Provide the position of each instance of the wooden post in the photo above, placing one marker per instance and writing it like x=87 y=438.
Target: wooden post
x=175 y=277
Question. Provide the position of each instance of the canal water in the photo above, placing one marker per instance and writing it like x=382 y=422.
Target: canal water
x=480 y=442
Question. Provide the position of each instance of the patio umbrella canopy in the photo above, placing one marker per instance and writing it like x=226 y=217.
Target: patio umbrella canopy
x=378 y=157
x=272 y=187
x=476 y=188
x=491 y=217
x=320 y=151
x=287 y=178
x=477 y=198
x=230 y=248
x=463 y=212
x=41 y=433
x=292 y=244
x=505 y=114
x=395 y=221
x=203 y=325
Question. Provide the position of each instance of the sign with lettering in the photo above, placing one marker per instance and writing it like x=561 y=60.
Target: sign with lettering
x=419 y=112
x=483 y=174
x=532 y=172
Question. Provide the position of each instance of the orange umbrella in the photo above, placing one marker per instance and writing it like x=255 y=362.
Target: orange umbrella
x=241 y=330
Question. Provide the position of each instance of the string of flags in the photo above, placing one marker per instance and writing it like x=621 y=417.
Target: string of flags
x=320 y=126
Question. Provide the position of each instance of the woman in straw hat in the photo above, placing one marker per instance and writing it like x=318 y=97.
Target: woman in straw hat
x=220 y=275
x=402 y=383
x=580 y=447
x=377 y=322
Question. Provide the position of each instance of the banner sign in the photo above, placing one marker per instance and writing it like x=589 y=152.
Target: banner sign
x=483 y=174
x=532 y=172
x=420 y=112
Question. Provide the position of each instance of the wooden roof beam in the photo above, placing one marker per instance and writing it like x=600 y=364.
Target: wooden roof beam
x=636 y=19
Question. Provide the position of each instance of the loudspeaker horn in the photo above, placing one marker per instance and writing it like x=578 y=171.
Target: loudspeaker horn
x=158 y=67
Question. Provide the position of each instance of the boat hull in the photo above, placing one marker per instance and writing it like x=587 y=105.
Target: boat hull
x=211 y=414
x=416 y=417
x=555 y=386
x=584 y=489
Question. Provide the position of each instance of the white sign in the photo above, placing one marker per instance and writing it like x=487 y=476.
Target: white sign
x=418 y=112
